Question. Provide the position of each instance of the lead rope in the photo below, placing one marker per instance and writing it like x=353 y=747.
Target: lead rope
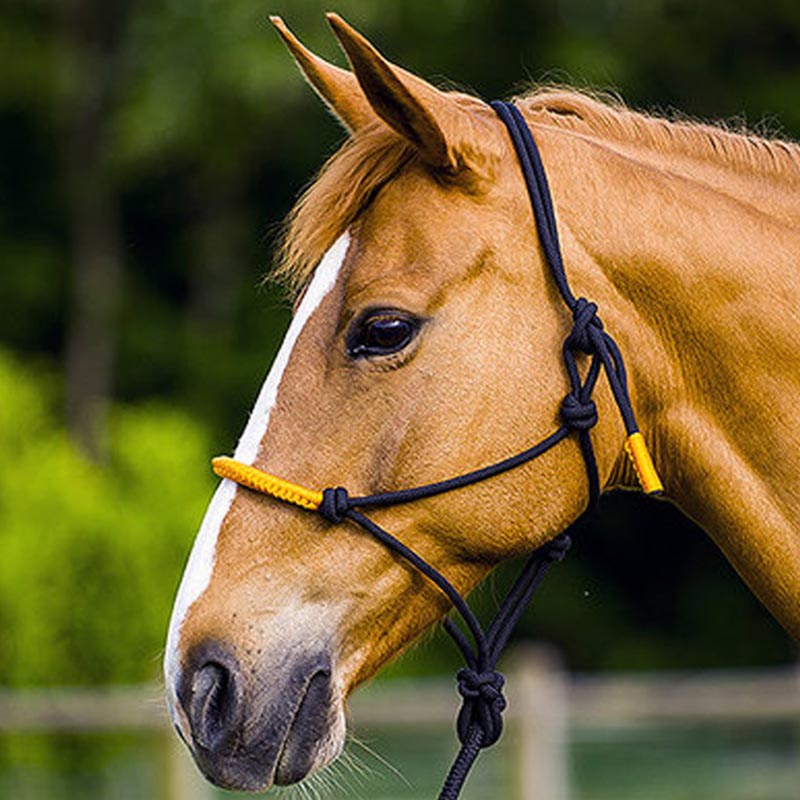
x=480 y=719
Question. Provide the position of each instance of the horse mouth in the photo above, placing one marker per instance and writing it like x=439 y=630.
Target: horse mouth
x=277 y=734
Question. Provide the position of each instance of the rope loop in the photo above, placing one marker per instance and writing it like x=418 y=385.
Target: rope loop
x=580 y=415
x=585 y=320
x=556 y=549
x=483 y=705
x=335 y=505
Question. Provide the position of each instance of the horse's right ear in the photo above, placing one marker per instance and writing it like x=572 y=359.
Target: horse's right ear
x=338 y=87
x=446 y=135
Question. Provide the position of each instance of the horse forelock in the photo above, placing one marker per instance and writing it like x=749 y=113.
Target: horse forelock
x=341 y=191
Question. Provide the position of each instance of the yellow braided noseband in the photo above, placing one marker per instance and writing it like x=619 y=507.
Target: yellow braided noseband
x=263 y=482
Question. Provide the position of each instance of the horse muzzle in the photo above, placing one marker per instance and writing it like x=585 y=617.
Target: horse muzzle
x=252 y=726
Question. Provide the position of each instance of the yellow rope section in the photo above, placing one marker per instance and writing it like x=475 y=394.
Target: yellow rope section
x=263 y=482
x=639 y=455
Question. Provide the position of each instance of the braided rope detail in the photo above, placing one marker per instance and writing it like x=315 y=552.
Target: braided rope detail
x=483 y=705
x=263 y=482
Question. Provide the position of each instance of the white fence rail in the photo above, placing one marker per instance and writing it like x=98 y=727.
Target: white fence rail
x=545 y=703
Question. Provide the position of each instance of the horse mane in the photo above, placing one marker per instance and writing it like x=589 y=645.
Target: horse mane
x=605 y=116
x=351 y=178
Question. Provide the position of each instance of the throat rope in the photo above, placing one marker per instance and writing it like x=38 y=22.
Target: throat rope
x=480 y=719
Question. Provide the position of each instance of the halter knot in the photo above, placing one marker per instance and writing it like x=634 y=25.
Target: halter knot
x=556 y=549
x=585 y=319
x=483 y=705
x=335 y=505
x=580 y=415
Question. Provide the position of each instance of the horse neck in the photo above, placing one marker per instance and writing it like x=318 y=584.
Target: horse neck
x=700 y=286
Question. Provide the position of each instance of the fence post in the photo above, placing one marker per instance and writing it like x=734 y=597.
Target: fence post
x=184 y=782
x=538 y=689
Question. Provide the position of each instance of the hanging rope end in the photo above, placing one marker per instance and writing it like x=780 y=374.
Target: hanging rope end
x=640 y=457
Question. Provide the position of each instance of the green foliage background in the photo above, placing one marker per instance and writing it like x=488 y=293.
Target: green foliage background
x=90 y=553
x=207 y=134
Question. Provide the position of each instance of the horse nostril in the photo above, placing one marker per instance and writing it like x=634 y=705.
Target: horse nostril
x=213 y=705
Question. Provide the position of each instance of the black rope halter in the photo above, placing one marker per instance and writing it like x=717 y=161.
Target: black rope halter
x=480 y=719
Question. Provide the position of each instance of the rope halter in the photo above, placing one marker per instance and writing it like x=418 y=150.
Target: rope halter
x=480 y=685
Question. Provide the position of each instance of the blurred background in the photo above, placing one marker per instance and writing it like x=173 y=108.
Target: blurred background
x=149 y=152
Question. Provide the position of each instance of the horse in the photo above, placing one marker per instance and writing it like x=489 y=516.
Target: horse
x=426 y=341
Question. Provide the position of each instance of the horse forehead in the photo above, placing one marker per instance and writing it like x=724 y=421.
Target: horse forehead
x=420 y=232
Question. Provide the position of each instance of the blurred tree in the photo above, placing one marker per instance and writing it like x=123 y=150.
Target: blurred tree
x=91 y=34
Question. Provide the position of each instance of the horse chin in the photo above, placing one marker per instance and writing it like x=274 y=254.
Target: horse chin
x=258 y=771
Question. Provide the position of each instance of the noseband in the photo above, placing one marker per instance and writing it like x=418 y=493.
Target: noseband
x=480 y=721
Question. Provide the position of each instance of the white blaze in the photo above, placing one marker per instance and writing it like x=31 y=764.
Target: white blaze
x=324 y=280
x=197 y=573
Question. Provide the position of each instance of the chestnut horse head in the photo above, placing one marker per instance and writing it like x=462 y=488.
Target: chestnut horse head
x=426 y=342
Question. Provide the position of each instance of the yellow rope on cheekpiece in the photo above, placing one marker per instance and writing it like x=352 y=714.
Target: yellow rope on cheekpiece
x=636 y=448
x=263 y=482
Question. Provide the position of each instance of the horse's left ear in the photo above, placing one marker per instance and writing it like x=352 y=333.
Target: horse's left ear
x=337 y=87
x=433 y=121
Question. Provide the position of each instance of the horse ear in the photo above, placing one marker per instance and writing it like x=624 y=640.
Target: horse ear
x=338 y=87
x=432 y=120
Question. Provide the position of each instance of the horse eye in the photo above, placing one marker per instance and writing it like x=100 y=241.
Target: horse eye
x=381 y=334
